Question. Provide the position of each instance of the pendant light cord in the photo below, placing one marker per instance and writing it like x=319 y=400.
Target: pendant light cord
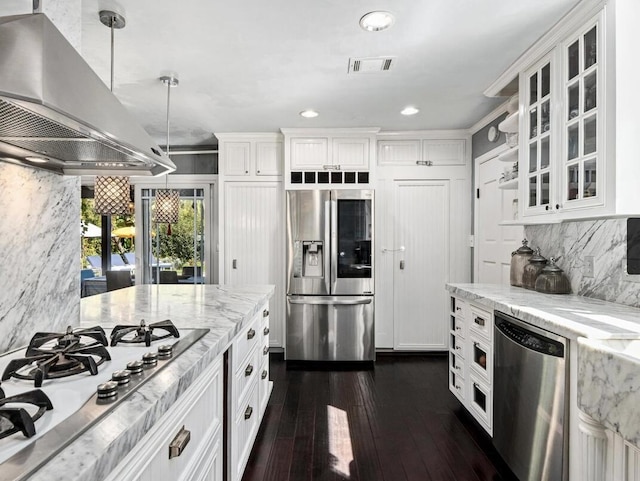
x=166 y=178
x=113 y=22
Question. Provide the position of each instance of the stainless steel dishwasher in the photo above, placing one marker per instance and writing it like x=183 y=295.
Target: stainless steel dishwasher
x=530 y=410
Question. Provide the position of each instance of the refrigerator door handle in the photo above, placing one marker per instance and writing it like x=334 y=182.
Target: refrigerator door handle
x=336 y=302
x=334 y=243
x=328 y=254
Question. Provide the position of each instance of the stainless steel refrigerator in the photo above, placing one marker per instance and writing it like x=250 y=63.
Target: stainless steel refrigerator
x=330 y=266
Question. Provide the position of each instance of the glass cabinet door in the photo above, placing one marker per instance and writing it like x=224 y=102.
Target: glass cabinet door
x=581 y=176
x=538 y=138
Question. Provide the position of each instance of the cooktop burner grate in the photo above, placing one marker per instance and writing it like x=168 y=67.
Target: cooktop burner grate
x=55 y=355
x=143 y=333
x=14 y=418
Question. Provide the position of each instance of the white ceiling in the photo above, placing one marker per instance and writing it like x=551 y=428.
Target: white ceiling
x=253 y=65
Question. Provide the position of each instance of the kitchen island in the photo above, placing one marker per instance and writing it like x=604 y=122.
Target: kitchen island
x=603 y=346
x=225 y=310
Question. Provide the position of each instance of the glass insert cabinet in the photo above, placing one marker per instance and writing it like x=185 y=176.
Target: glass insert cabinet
x=561 y=131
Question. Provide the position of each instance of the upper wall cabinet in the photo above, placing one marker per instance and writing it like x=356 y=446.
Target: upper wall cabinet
x=427 y=148
x=250 y=155
x=578 y=110
x=340 y=157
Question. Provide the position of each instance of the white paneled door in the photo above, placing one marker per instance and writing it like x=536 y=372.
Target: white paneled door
x=422 y=267
x=254 y=242
x=495 y=242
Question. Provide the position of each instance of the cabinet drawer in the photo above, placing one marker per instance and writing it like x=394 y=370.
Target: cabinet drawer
x=246 y=376
x=481 y=322
x=456 y=324
x=456 y=384
x=481 y=358
x=198 y=410
x=245 y=427
x=458 y=307
x=246 y=341
x=264 y=385
x=456 y=344
x=480 y=401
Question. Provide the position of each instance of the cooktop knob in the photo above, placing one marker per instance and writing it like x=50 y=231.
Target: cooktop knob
x=107 y=390
x=165 y=351
x=150 y=358
x=121 y=377
x=134 y=367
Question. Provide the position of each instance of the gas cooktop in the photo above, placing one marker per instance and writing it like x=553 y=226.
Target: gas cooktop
x=79 y=380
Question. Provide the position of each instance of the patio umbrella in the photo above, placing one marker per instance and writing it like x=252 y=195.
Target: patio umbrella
x=124 y=232
x=90 y=230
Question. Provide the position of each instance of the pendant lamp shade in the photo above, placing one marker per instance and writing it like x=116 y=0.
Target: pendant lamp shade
x=167 y=206
x=111 y=195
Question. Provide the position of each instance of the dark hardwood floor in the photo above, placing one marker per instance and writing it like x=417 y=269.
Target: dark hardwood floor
x=396 y=422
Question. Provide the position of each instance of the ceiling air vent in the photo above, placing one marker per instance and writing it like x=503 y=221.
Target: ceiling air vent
x=371 y=64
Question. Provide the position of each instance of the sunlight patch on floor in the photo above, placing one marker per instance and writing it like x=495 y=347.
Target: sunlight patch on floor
x=339 y=441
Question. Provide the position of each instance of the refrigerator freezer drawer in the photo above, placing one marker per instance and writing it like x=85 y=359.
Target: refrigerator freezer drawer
x=330 y=328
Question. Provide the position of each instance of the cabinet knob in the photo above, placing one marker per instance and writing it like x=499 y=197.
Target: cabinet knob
x=251 y=334
x=265 y=313
x=248 y=412
x=265 y=350
x=458 y=348
x=557 y=206
x=248 y=370
x=266 y=331
x=264 y=374
x=179 y=443
x=234 y=264
x=546 y=207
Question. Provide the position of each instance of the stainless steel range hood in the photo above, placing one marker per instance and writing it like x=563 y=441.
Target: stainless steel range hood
x=53 y=106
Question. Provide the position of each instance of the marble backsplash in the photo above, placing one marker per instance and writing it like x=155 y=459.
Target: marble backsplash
x=606 y=241
x=39 y=253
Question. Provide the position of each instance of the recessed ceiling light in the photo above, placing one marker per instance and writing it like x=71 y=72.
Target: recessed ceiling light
x=409 y=111
x=376 y=21
x=309 y=114
x=37 y=160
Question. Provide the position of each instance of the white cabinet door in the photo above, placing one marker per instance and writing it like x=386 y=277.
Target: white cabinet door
x=494 y=242
x=268 y=158
x=254 y=242
x=399 y=152
x=237 y=158
x=351 y=153
x=422 y=269
x=309 y=153
x=444 y=152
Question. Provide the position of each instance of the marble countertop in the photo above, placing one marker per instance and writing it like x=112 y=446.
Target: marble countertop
x=609 y=384
x=225 y=310
x=568 y=315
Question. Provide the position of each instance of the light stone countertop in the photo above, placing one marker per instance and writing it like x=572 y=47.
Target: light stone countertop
x=609 y=384
x=567 y=315
x=225 y=310
x=608 y=340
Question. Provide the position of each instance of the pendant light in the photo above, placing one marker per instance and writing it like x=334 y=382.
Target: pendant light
x=167 y=205
x=112 y=193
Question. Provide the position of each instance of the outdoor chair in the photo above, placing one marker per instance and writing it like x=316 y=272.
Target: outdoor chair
x=95 y=262
x=118 y=280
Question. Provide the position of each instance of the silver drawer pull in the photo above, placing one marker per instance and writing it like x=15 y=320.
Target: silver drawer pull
x=479 y=321
x=265 y=313
x=266 y=331
x=265 y=350
x=248 y=370
x=251 y=334
x=264 y=374
x=179 y=443
x=248 y=412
